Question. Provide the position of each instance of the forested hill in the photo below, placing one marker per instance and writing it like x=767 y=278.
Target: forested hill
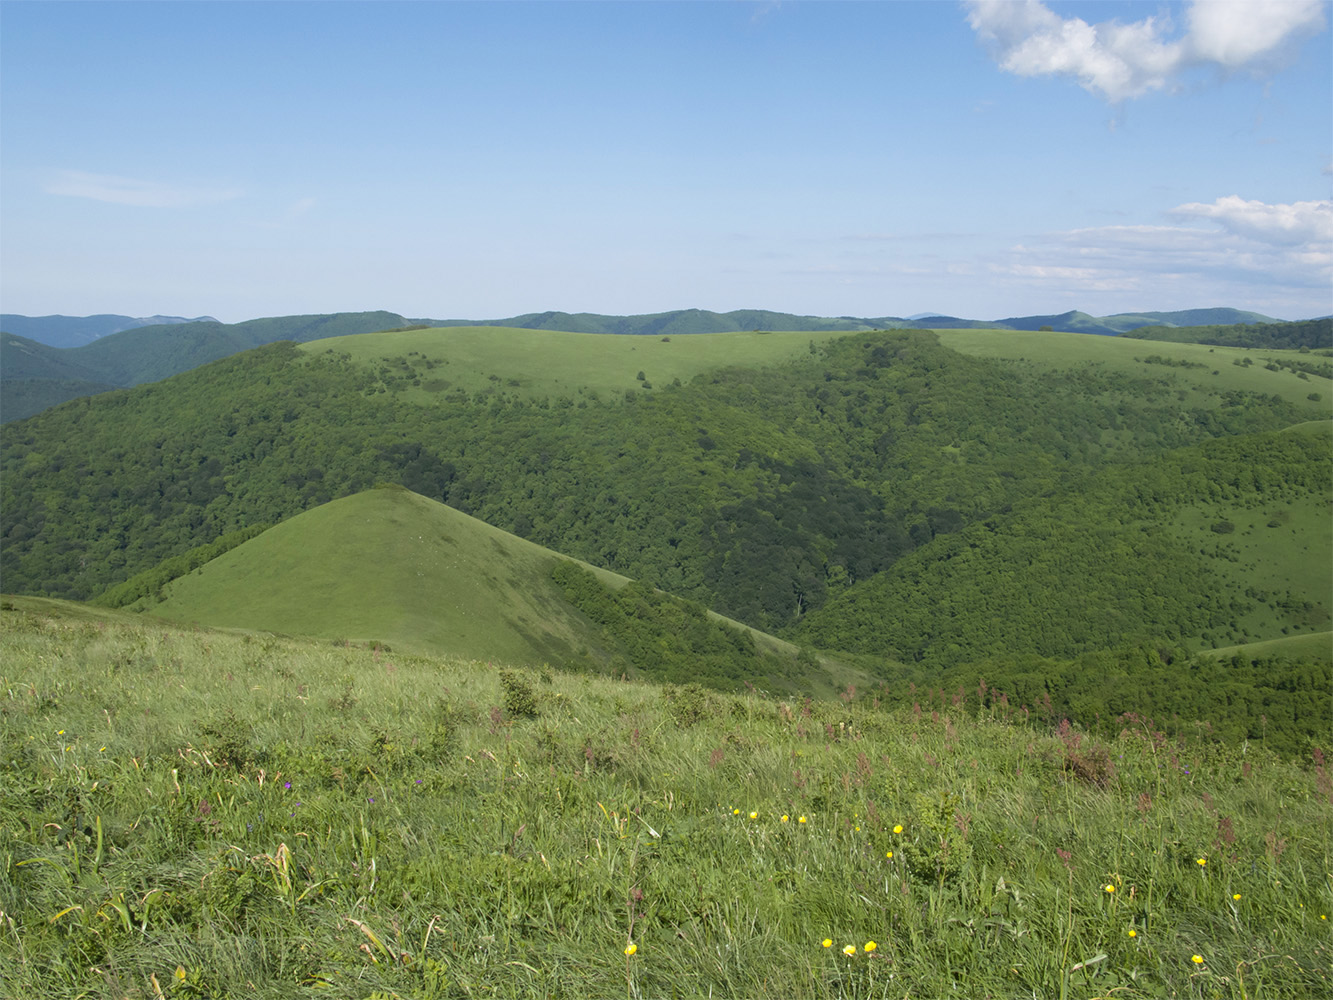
x=75 y=331
x=149 y=352
x=765 y=493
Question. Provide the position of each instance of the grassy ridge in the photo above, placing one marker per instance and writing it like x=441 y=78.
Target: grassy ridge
x=1206 y=370
x=547 y=363
x=197 y=814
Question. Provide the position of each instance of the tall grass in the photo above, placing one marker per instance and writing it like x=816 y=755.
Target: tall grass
x=189 y=814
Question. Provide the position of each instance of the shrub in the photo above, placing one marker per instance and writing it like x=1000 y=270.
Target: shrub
x=520 y=699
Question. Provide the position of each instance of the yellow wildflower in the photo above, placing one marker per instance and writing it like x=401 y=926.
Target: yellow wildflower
x=1197 y=959
x=898 y=828
x=631 y=948
x=1235 y=895
x=1133 y=932
x=784 y=817
x=801 y=820
x=1201 y=862
x=1109 y=887
x=849 y=950
x=828 y=942
x=754 y=814
x=871 y=946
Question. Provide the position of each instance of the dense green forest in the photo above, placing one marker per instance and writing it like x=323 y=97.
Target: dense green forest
x=1102 y=556
x=877 y=464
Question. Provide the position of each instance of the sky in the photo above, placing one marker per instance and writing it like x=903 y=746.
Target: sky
x=483 y=160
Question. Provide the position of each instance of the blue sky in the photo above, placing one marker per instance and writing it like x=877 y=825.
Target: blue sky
x=480 y=160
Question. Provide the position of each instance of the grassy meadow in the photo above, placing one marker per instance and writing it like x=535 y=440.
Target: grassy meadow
x=195 y=813
x=547 y=363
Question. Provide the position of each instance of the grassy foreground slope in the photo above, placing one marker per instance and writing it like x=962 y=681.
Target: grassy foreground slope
x=190 y=814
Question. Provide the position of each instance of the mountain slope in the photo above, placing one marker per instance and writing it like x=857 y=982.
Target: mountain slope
x=37 y=376
x=147 y=354
x=24 y=358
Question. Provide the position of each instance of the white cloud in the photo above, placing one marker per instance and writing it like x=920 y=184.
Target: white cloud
x=1236 y=34
x=1122 y=61
x=1285 y=225
x=130 y=191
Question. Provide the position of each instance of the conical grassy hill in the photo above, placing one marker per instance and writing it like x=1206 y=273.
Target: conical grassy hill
x=393 y=567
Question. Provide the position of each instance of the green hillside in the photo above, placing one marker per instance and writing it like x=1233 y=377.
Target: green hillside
x=393 y=567
x=390 y=568
x=1208 y=546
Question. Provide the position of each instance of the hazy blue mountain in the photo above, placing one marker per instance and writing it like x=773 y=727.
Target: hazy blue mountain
x=36 y=375
x=75 y=331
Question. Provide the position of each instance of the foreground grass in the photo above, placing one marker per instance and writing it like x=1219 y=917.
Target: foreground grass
x=200 y=814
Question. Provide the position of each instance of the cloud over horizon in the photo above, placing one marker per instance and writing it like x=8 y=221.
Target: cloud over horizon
x=1122 y=61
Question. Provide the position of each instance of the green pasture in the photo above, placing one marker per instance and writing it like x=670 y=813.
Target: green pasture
x=544 y=363
x=1217 y=373
x=1282 y=548
x=188 y=813
x=1315 y=644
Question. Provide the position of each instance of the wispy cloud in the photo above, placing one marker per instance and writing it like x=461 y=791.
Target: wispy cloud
x=132 y=191
x=1254 y=243
x=1120 y=61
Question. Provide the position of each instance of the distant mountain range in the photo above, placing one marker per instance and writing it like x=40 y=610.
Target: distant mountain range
x=75 y=331
x=684 y=321
x=46 y=360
